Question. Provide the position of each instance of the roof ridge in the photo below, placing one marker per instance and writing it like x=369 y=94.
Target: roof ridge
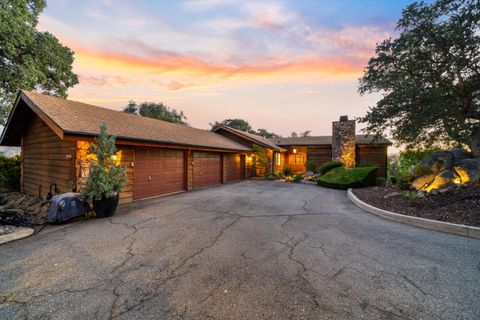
x=113 y=110
x=75 y=117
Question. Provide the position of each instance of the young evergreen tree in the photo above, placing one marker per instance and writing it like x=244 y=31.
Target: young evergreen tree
x=106 y=177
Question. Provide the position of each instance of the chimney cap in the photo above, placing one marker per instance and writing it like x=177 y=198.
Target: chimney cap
x=343 y=118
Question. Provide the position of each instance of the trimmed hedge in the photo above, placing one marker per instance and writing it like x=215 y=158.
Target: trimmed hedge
x=327 y=166
x=344 y=178
x=10 y=172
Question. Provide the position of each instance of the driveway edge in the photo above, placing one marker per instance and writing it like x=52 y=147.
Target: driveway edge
x=446 y=227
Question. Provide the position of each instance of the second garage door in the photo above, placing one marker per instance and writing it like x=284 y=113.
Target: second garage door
x=234 y=167
x=158 y=171
x=206 y=169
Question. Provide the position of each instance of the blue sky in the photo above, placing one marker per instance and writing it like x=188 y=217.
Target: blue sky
x=282 y=65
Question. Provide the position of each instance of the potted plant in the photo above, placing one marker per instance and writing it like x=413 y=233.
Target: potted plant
x=106 y=177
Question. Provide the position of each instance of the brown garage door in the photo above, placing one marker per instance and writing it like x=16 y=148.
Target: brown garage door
x=206 y=169
x=234 y=167
x=157 y=171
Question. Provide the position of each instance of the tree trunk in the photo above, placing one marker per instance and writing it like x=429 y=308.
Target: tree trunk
x=475 y=145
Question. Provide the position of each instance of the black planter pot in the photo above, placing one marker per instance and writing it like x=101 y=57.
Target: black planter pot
x=105 y=207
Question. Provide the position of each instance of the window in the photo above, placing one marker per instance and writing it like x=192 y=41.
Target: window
x=298 y=159
x=277 y=158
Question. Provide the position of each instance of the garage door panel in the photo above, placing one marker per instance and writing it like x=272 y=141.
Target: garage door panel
x=234 y=167
x=157 y=171
x=206 y=169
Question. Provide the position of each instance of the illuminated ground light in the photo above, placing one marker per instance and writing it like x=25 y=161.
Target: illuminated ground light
x=461 y=177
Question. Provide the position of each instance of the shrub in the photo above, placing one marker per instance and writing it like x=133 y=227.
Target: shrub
x=327 y=166
x=287 y=171
x=311 y=166
x=297 y=178
x=402 y=163
x=411 y=195
x=10 y=172
x=405 y=183
x=261 y=159
x=344 y=178
x=393 y=180
x=381 y=182
x=106 y=177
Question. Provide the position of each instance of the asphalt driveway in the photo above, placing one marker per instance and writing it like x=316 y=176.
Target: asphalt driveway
x=249 y=250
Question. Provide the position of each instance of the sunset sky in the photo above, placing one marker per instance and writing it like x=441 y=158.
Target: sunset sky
x=282 y=65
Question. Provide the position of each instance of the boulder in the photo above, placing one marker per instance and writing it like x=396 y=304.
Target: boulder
x=459 y=154
x=444 y=179
x=468 y=170
x=423 y=181
x=438 y=161
x=455 y=166
x=392 y=194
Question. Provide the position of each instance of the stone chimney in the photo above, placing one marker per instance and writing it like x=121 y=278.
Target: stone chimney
x=343 y=141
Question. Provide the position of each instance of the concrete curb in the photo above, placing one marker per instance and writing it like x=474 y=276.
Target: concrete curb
x=458 y=229
x=19 y=233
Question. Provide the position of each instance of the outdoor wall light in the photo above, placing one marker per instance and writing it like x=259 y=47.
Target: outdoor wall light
x=294 y=150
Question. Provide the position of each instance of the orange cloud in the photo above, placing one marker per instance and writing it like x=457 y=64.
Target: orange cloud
x=169 y=63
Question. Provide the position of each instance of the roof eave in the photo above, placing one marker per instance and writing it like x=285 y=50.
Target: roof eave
x=215 y=129
x=169 y=143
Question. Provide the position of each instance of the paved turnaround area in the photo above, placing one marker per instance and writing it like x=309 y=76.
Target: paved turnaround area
x=249 y=250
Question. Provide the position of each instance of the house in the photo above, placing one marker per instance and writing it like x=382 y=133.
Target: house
x=160 y=157
x=343 y=145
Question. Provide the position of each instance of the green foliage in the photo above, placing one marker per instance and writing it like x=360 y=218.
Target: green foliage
x=10 y=172
x=261 y=158
x=405 y=182
x=266 y=134
x=311 y=166
x=238 y=124
x=30 y=59
x=327 y=166
x=287 y=171
x=344 y=178
x=156 y=111
x=411 y=195
x=381 y=181
x=403 y=162
x=428 y=77
x=106 y=177
x=305 y=133
x=244 y=125
x=393 y=180
x=294 y=178
x=297 y=178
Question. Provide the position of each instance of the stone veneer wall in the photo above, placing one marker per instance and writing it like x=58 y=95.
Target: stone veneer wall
x=343 y=142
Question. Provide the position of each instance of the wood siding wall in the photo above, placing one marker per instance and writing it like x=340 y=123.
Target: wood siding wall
x=375 y=155
x=319 y=154
x=370 y=154
x=46 y=160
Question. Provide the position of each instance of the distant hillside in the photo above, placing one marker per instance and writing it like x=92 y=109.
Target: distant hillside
x=9 y=151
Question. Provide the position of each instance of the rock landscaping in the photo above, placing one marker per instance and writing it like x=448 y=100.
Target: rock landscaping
x=20 y=209
x=445 y=169
x=460 y=205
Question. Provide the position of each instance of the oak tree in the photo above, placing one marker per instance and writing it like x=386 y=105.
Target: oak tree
x=429 y=77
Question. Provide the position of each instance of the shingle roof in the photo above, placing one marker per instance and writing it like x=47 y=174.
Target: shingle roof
x=250 y=136
x=78 y=118
x=326 y=140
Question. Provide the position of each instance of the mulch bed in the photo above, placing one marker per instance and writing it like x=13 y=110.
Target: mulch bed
x=460 y=206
